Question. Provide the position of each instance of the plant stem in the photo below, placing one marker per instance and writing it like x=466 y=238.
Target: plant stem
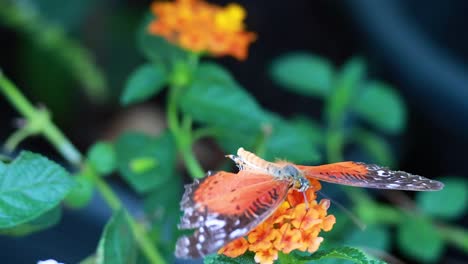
x=13 y=141
x=66 y=148
x=456 y=235
x=182 y=136
x=204 y=132
x=47 y=128
x=138 y=231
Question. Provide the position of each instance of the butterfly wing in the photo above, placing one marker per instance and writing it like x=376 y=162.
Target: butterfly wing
x=225 y=206
x=369 y=176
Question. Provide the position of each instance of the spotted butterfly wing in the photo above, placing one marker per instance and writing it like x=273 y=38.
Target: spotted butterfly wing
x=226 y=206
x=369 y=176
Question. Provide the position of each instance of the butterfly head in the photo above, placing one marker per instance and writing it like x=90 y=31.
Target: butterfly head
x=299 y=182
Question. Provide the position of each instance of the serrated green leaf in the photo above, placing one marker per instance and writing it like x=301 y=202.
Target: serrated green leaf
x=157 y=49
x=349 y=253
x=345 y=88
x=448 y=203
x=381 y=106
x=81 y=195
x=102 y=158
x=303 y=73
x=373 y=237
x=134 y=146
x=117 y=244
x=418 y=238
x=44 y=221
x=30 y=186
x=216 y=99
x=146 y=81
x=247 y=258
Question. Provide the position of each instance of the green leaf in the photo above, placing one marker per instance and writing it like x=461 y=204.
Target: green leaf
x=231 y=140
x=291 y=142
x=117 y=244
x=448 y=203
x=44 y=221
x=216 y=99
x=81 y=195
x=376 y=147
x=146 y=81
x=418 y=238
x=89 y=260
x=162 y=210
x=373 y=237
x=381 y=106
x=135 y=151
x=247 y=258
x=30 y=186
x=303 y=73
x=343 y=93
x=349 y=253
x=157 y=49
x=310 y=127
x=102 y=158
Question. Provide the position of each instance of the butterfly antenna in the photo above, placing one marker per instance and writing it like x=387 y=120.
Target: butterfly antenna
x=346 y=211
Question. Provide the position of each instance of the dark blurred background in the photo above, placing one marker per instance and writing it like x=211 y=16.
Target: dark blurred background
x=419 y=47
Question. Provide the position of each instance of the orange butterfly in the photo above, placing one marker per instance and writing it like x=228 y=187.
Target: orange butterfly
x=225 y=206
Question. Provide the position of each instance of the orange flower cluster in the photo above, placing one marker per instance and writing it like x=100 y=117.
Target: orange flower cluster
x=295 y=225
x=198 y=26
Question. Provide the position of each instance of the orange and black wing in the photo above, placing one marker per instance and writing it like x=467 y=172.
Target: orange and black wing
x=369 y=176
x=226 y=206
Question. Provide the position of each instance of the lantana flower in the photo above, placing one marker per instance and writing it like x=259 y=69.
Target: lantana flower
x=295 y=225
x=201 y=27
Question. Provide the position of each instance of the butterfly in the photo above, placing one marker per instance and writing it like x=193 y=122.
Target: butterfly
x=224 y=206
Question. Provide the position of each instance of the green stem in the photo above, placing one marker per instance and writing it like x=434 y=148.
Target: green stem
x=182 y=136
x=455 y=235
x=66 y=148
x=61 y=143
x=31 y=113
x=138 y=231
x=204 y=132
x=16 y=98
x=13 y=141
x=145 y=243
x=104 y=189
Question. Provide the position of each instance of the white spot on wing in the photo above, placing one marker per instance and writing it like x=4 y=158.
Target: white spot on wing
x=238 y=232
x=215 y=222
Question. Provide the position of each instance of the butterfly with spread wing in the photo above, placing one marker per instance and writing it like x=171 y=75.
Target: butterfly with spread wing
x=224 y=206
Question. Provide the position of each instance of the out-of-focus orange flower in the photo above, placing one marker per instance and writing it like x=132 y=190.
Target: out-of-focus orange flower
x=198 y=26
x=296 y=224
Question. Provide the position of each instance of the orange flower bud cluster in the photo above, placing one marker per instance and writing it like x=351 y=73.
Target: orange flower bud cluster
x=296 y=224
x=201 y=27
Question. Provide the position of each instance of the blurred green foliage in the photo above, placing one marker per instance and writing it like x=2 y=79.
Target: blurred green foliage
x=205 y=101
x=48 y=39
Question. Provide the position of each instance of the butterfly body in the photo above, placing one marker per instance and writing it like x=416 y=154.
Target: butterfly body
x=225 y=206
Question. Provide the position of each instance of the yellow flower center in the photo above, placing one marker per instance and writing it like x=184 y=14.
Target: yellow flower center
x=231 y=18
